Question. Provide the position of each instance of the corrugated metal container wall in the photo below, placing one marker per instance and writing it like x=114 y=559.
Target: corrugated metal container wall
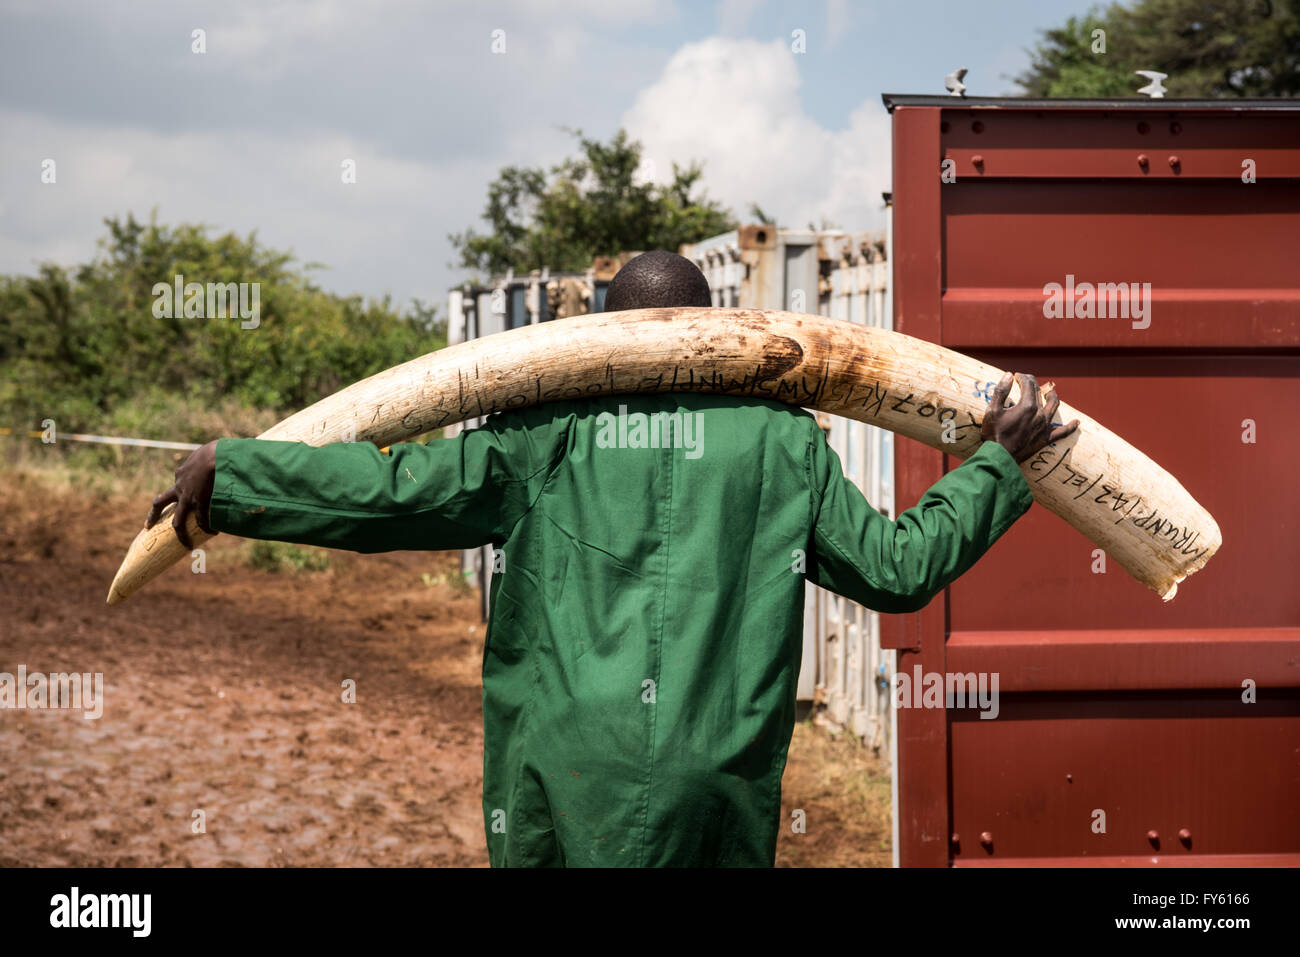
x=1128 y=731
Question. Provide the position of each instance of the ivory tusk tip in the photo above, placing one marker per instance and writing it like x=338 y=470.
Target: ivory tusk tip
x=115 y=594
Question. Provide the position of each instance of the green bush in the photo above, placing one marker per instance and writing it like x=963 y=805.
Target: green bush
x=84 y=347
x=279 y=556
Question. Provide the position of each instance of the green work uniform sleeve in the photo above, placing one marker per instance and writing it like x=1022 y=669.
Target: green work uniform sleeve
x=459 y=492
x=899 y=566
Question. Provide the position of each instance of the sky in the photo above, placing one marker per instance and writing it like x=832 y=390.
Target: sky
x=252 y=134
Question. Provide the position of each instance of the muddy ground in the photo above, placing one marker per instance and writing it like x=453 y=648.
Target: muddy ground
x=224 y=696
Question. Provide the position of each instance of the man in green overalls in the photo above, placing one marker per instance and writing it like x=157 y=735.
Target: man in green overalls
x=645 y=639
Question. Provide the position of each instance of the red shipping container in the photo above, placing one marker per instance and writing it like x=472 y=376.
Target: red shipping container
x=1129 y=731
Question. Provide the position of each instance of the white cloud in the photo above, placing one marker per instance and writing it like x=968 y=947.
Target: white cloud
x=734 y=105
x=375 y=234
x=425 y=109
x=734 y=15
x=838 y=18
x=274 y=35
x=634 y=11
x=250 y=135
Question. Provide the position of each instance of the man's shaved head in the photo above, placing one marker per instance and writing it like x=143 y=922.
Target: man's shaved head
x=657 y=280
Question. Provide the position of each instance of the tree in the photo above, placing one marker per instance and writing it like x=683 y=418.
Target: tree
x=1209 y=49
x=596 y=204
x=86 y=346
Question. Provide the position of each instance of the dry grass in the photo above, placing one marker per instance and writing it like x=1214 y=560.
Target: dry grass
x=843 y=790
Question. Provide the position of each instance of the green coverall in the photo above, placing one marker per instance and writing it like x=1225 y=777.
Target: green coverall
x=644 y=647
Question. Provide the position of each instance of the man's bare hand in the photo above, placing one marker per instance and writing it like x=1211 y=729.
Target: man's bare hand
x=192 y=492
x=1025 y=427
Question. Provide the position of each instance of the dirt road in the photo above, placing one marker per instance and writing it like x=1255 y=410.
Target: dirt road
x=225 y=707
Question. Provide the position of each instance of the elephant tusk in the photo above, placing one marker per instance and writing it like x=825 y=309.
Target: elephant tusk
x=1116 y=496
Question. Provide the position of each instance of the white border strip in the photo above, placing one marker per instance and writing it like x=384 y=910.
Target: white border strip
x=109 y=440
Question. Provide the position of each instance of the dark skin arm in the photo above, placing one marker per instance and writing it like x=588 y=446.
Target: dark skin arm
x=1021 y=429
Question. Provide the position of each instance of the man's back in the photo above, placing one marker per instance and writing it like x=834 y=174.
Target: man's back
x=645 y=640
